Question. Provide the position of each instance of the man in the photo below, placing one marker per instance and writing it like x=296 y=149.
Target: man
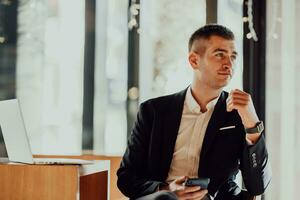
x=199 y=132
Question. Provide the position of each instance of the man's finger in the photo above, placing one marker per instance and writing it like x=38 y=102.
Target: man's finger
x=239 y=91
x=181 y=179
x=236 y=106
x=229 y=107
x=189 y=189
x=195 y=195
x=240 y=96
x=238 y=101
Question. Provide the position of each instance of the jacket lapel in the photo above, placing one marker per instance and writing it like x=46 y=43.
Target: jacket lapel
x=172 y=118
x=216 y=121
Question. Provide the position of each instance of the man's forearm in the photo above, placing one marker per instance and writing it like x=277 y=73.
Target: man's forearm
x=255 y=167
x=252 y=138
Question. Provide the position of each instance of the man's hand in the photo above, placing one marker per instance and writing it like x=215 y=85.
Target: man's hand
x=242 y=102
x=183 y=192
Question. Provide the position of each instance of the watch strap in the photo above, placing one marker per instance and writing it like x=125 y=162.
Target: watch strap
x=258 y=128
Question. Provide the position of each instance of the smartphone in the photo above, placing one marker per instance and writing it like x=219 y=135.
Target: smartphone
x=202 y=182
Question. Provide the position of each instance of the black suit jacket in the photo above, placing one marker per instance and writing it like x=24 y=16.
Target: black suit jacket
x=146 y=162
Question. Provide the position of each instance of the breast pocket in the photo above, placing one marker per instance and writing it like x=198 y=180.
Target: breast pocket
x=227 y=129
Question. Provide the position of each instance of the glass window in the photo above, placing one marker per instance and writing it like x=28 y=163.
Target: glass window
x=110 y=125
x=282 y=97
x=49 y=73
x=166 y=26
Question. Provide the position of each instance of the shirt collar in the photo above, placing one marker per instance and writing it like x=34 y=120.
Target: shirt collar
x=194 y=106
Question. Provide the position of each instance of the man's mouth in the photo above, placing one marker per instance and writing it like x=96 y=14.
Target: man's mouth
x=225 y=74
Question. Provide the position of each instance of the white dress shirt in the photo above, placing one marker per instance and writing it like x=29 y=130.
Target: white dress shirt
x=186 y=156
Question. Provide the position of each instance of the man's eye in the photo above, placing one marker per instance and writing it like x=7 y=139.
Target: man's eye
x=233 y=58
x=221 y=55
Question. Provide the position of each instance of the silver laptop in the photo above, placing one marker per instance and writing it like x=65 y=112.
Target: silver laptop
x=16 y=141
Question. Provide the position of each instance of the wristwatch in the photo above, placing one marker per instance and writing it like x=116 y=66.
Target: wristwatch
x=258 y=128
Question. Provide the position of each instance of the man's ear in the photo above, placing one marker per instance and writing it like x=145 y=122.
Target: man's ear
x=193 y=59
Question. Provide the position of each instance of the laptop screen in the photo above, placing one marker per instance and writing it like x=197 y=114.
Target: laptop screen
x=3 y=152
x=14 y=133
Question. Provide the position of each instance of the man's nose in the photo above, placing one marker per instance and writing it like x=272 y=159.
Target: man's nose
x=228 y=64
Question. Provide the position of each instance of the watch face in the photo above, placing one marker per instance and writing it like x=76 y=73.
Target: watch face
x=260 y=127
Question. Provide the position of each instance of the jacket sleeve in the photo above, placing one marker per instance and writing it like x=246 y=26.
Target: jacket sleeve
x=255 y=167
x=132 y=174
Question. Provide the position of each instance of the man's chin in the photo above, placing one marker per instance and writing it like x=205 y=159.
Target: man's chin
x=222 y=84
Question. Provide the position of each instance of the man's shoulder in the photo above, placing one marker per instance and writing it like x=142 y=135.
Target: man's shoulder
x=166 y=100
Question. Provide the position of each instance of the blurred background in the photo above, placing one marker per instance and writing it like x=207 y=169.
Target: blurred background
x=81 y=68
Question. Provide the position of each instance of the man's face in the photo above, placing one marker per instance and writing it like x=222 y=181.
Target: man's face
x=214 y=66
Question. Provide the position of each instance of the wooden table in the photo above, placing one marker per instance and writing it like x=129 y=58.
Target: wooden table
x=55 y=182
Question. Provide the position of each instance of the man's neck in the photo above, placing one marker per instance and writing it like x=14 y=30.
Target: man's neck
x=203 y=94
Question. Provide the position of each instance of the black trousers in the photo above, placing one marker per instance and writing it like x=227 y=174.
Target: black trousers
x=161 y=195
x=165 y=195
